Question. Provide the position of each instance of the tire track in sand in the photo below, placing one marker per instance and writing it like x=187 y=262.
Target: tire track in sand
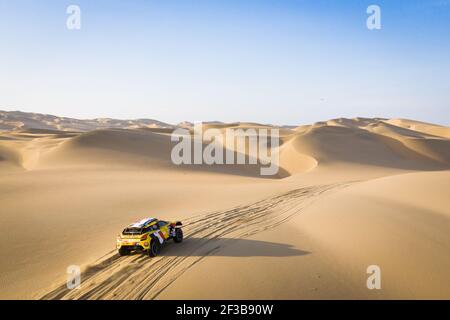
x=139 y=277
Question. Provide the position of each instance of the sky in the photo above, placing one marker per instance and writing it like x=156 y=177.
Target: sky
x=268 y=61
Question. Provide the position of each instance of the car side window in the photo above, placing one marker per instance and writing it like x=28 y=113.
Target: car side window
x=161 y=223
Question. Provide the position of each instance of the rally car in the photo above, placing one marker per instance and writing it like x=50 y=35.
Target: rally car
x=148 y=235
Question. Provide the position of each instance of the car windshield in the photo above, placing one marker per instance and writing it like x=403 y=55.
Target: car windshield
x=132 y=231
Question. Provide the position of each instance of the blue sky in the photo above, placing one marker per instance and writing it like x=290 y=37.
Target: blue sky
x=285 y=62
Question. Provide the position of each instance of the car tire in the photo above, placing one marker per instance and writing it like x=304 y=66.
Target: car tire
x=178 y=236
x=154 y=248
x=124 y=252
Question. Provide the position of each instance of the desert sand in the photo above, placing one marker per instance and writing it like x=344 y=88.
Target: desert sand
x=350 y=193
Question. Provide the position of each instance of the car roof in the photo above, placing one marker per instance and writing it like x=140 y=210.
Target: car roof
x=143 y=223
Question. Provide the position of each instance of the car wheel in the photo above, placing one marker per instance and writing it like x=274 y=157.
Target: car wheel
x=124 y=252
x=154 y=248
x=178 y=236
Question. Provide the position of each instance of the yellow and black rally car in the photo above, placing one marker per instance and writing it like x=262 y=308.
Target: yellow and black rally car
x=148 y=235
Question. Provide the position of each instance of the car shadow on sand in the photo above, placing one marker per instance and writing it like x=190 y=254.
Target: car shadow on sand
x=230 y=247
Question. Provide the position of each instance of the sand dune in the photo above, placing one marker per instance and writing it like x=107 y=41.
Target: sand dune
x=349 y=193
x=17 y=120
x=330 y=144
x=422 y=127
x=115 y=146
